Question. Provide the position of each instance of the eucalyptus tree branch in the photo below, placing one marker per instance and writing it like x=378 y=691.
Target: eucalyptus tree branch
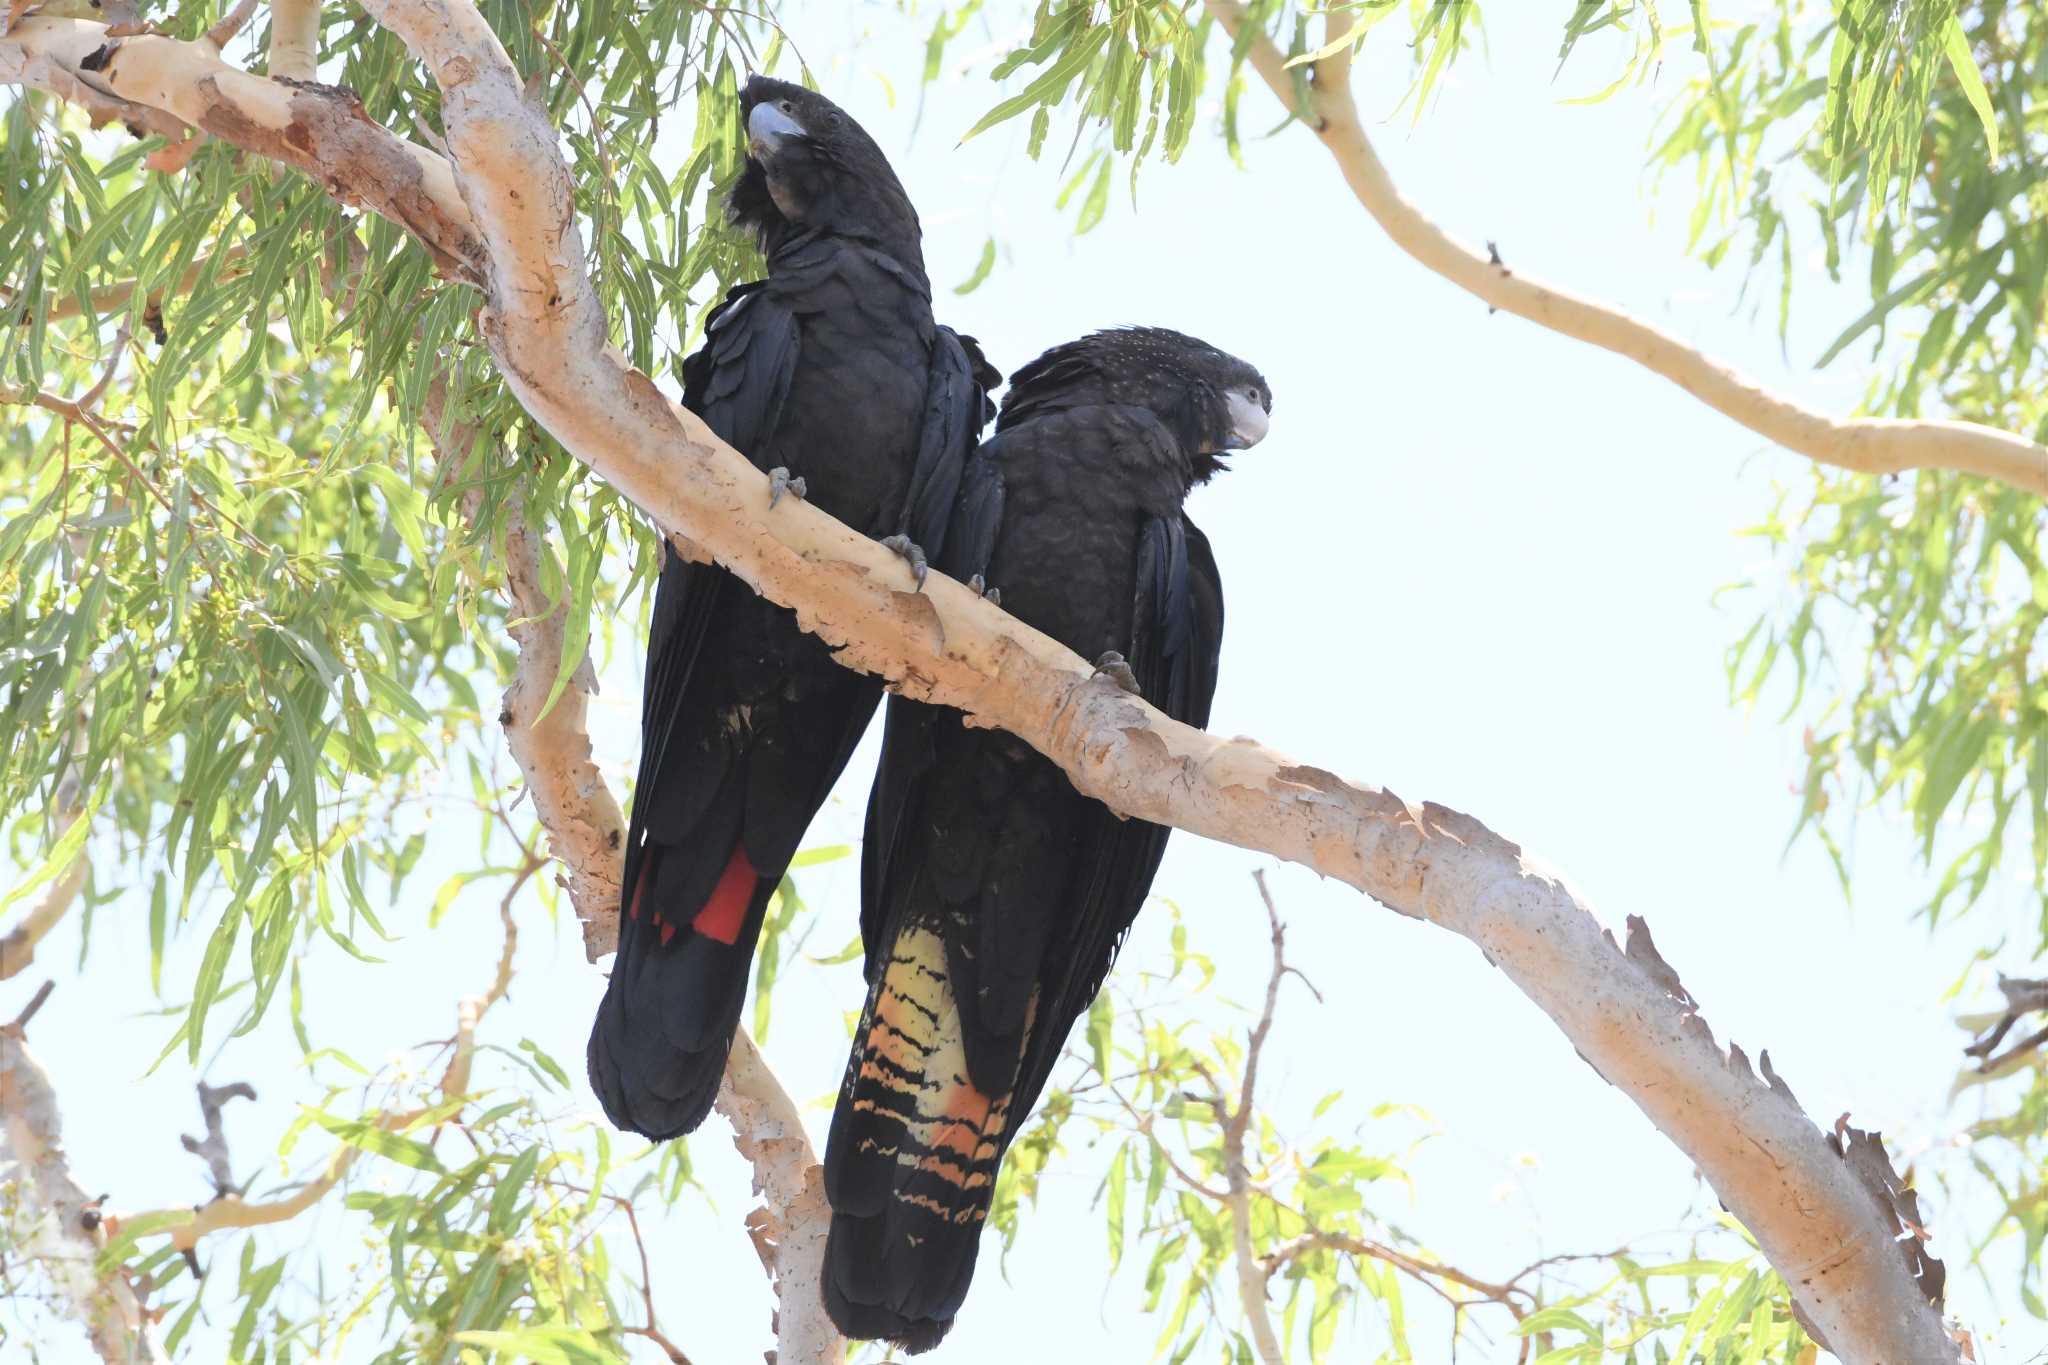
x=1823 y=1214
x=34 y=55
x=586 y=832
x=295 y=39
x=51 y=1219
x=232 y=23
x=789 y=1228
x=1867 y=445
x=163 y=84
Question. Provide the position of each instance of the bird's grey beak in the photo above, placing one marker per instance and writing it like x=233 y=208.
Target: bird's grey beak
x=768 y=126
x=1248 y=422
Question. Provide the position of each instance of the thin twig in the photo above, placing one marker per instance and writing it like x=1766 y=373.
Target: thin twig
x=28 y=1011
x=1251 y=1284
x=76 y=412
x=2023 y=996
x=213 y=1149
x=109 y=297
x=223 y=33
x=650 y=1331
x=91 y=397
x=54 y=1221
x=1422 y=1272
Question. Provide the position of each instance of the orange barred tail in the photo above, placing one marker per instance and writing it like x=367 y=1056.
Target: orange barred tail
x=910 y=1167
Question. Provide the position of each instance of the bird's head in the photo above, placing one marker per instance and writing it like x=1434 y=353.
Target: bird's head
x=1210 y=400
x=811 y=167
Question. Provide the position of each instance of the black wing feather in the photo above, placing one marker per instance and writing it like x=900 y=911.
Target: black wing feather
x=956 y=408
x=908 y=747
x=659 y=1038
x=1177 y=630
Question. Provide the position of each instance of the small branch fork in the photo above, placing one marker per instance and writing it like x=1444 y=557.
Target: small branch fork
x=2023 y=996
x=651 y=1332
x=213 y=1148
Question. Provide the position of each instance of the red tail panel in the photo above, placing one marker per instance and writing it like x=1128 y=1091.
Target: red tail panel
x=726 y=912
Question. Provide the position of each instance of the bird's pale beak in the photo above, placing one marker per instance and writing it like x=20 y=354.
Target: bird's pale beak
x=767 y=127
x=1248 y=422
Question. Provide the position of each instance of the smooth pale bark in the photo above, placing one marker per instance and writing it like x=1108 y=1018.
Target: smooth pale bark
x=294 y=38
x=1820 y=1218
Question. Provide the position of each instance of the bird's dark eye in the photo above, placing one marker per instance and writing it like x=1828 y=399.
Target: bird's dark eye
x=787 y=106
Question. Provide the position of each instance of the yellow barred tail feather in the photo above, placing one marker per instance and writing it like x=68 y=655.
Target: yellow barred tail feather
x=911 y=1163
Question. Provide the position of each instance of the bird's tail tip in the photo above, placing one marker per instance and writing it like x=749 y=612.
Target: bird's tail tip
x=868 y=1303
x=648 y=1086
x=664 y=1029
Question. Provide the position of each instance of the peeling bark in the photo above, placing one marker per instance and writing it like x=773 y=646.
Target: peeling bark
x=789 y=1228
x=320 y=130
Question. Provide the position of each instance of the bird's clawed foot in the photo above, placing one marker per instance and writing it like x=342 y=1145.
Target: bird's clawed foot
x=1114 y=667
x=982 y=589
x=779 y=483
x=913 y=553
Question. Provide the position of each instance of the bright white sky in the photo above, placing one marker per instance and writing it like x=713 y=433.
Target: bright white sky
x=1473 y=562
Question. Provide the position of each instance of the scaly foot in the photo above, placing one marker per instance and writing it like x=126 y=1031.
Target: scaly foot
x=1114 y=667
x=913 y=553
x=779 y=483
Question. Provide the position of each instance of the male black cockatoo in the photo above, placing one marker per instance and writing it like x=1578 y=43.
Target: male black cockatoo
x=831 y=375
x=994 y=895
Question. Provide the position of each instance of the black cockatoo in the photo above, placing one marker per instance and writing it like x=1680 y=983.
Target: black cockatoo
x=831 y=375
x=994 y=895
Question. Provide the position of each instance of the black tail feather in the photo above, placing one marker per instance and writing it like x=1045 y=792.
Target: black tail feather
x=665 y=1026
x=906 y=1293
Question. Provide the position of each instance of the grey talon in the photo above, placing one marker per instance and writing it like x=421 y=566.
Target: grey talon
x=1117 y=669
x=994 y=596
x=779 y=482
x=977 y=586
x=911 y=551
